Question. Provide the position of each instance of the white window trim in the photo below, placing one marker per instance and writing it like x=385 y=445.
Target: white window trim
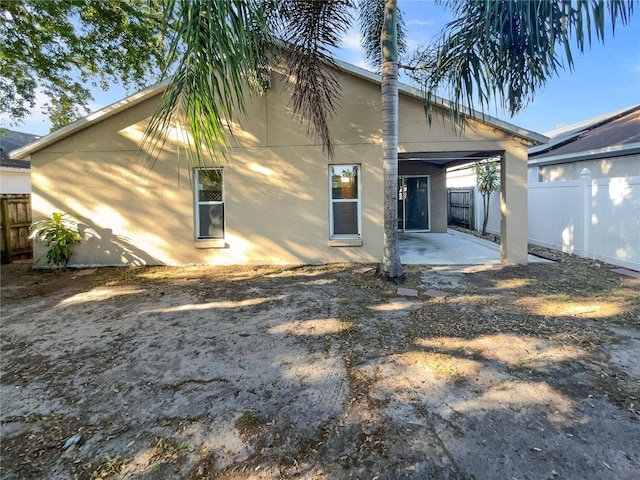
x=344 y=236
x=206 y=242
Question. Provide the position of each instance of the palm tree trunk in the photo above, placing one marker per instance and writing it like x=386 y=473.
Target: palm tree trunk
x=485 y=200
x=390 y=265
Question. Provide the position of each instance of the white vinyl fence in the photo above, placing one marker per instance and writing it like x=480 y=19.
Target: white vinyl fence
x=594 y=218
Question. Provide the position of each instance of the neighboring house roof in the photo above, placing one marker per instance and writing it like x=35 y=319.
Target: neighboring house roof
x=157 y=89
x=10 y=140
x=613 y=135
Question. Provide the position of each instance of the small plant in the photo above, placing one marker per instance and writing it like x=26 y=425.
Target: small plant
x=488 y=180
x=59 y=234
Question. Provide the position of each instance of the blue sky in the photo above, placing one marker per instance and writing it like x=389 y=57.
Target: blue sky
x=606 y=77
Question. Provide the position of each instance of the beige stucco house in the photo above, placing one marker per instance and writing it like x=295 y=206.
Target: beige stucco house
x=278 y=199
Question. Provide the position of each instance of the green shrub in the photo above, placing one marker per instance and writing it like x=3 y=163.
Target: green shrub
x=59 y=234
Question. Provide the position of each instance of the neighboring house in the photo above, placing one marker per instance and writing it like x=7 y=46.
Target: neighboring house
x=15 y=198
x=277 y=199
x=584 y=189
x=608 y=145
x=14 y=174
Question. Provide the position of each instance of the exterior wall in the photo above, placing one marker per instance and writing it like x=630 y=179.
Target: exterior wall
x=276 y=184
x=513 y=206
x=15 y=181
x=628 y=166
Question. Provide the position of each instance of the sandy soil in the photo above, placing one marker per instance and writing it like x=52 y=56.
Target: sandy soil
x=320 y=372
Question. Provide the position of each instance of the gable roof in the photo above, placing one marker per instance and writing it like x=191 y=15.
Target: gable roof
x=157 y=89
x=612 y=135
x=10 y=140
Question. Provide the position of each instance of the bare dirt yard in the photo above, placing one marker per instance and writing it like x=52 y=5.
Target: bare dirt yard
x=321 y=372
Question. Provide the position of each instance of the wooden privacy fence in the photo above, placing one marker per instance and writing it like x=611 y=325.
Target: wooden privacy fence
x=460 y=207
x=15 y=222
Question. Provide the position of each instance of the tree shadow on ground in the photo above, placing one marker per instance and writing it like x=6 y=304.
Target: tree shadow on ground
x=337 y=374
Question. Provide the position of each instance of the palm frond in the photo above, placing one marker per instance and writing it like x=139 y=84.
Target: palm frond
x=507 y=50
x=310 y=29
x=217 y=51
x=371 y=17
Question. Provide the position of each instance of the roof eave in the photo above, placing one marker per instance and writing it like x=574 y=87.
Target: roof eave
x=596 y=154
x=14 y=169
x=154 y=90
x=89 y=120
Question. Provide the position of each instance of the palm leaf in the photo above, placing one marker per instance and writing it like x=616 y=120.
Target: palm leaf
x=217 y=51
x=506 y=50
x=371 y=17
x=310 y=29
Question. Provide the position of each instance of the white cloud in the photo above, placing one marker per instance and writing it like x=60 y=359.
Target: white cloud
x=420 y=23
x=351 y=40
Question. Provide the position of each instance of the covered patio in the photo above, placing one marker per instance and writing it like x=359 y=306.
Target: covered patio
x=451 y=248
x=430 y=203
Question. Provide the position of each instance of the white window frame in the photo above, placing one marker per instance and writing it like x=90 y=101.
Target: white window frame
x=358 y=202
x=197 y=202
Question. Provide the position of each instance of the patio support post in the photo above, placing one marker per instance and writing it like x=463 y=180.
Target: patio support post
x=513 y=207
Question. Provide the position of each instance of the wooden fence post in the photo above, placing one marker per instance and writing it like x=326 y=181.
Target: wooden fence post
x=6 y=231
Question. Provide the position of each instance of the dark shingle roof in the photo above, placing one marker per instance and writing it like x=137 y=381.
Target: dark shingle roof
x=613 y=132
x=10 y=140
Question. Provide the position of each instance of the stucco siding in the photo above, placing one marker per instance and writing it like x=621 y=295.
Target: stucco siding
x=276 y=193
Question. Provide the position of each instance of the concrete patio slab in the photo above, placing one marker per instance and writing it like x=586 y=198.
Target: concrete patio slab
x=451 y=248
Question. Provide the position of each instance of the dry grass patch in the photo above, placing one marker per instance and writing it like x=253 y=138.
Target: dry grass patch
x=558 y=306
x=514 y=350
x=250 y=425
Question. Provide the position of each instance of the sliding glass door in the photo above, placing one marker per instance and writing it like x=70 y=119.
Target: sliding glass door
x=413 y=203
